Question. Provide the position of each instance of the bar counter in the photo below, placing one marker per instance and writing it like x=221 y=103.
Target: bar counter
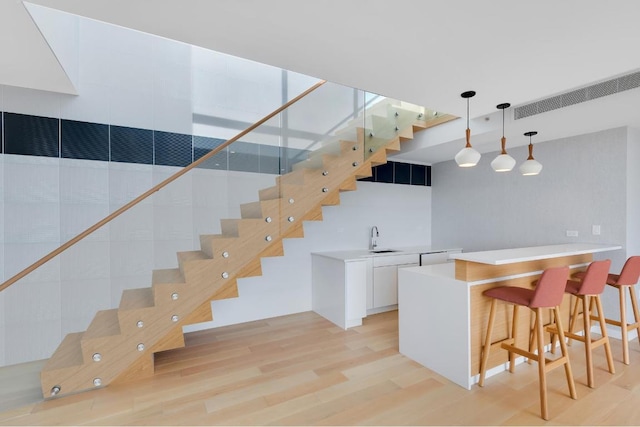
x=443 y=315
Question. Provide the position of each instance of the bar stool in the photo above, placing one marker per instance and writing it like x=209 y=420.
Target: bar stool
x=588 y=291
x=627 y=279
x=547 y=294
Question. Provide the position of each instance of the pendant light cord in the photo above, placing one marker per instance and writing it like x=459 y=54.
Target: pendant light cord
x=467 y=113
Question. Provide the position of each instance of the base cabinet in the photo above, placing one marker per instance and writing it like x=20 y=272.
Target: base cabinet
x=345 y=289
x=385 y=286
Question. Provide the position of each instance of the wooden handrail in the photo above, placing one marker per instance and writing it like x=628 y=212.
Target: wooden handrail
x=163 y=184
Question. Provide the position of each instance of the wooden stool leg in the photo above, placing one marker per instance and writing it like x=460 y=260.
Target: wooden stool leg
x=603 y=330
x=634 y=304
x=565 y=354
x=553 y=335
x=487 y=343
x=514 y=333
x=544 y=411
x=532 y=336
x=623 y=325
x=574 y=316
x=586 y=322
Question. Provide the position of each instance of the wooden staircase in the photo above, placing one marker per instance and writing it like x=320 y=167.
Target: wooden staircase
x=119 y=344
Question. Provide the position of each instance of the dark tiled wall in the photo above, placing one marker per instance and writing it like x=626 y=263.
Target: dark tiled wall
x=401 y=173
x=43 y=136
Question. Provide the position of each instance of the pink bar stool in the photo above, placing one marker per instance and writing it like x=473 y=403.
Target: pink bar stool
x=547 y=294
x=627 y=279
x=588 y=291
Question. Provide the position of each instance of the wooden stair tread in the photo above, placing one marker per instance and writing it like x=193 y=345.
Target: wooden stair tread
x=68 y=353
x=133 y=299
x=105 y=323
x=192 y=256
x=168 y=275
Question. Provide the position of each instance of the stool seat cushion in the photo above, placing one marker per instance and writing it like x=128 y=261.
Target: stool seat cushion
x=512 y=294
x=612 y=279
x=573 y=287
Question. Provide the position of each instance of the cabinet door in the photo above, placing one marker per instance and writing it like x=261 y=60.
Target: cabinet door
x=385 y=286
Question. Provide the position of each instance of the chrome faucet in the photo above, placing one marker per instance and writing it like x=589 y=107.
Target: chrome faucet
x=373 y=243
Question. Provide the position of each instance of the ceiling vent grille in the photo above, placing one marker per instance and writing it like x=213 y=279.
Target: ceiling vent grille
x=609 y=87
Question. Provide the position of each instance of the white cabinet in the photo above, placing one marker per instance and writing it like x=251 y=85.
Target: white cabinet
x=384 y=289
x=339 y=290
x=349 y=285
x=385 y=286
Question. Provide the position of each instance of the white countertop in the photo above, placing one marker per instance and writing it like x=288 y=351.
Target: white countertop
x=510 y=256
x=365 y=253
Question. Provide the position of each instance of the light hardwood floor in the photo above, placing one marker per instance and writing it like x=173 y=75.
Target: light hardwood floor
x=303 y=370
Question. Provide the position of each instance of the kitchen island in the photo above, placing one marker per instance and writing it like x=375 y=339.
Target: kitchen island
x=443 y=315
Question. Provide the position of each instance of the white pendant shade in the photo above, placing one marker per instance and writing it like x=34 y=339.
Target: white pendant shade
x=503 y=163
x=530 y=167
x=467 y=157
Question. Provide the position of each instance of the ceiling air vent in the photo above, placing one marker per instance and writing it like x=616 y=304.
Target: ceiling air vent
x=609 y=87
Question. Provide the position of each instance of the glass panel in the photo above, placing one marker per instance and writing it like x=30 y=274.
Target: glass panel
x=387 y=118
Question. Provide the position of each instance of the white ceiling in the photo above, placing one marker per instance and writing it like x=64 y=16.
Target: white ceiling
x=421 y=51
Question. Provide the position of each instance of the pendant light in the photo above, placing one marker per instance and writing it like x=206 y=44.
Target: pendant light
x=468 y=156
x=531 y=166
x=504 y=162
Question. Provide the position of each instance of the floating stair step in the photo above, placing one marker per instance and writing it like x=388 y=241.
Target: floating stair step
x=349 y=185
x=243 y=226
x=167 y=276
x=229 y=227
x=68 y=353
x=165 y=283
x=261 y=209
x=437 y=121
x=215 y=244
x=100 y=334
x=62 y=365
x=104 y=324
x=364 y=172
x=279 y=191
x=188 y=257
x=296 y=177
x=134 y=299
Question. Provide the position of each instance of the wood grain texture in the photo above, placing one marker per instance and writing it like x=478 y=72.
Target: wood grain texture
x=472 y=271
x=303 y=370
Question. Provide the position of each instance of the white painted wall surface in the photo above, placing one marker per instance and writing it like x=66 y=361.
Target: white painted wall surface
x=583 y=183
x=633 y=192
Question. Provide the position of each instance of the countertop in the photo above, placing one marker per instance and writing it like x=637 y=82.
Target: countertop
x=358 y=254
x=510 y=256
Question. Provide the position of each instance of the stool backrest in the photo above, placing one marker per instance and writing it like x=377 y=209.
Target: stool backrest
x=595 y=278
x=630 y=272
x=550 y=288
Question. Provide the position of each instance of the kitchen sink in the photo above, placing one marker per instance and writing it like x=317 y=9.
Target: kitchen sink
x=383 y=251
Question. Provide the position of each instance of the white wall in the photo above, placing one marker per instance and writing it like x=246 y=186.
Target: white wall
x=402 y=214
x=583 y=183
x=633 y=192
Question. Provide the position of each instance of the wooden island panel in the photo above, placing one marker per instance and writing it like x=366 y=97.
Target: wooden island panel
x=470 y=271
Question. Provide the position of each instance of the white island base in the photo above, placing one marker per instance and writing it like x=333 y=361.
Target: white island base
x=442 y=314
